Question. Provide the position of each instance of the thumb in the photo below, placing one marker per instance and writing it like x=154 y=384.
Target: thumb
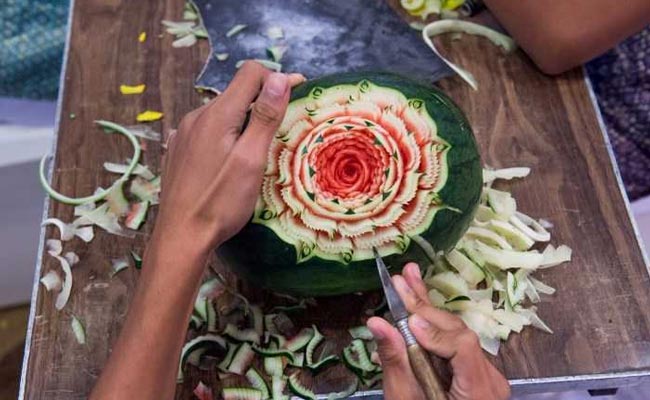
x=270 y=105
x=398 y=381
x=390 y=344
x=266 y=116
x=248 y=158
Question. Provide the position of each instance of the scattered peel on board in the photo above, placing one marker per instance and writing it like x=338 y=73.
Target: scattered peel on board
x=78 y=330
x=189 y=30
x=245 y=336
x=66 y=289
x=486 y=282
x=458 y=26
x=236 y=30
x=52 y=281
x=100 y=194
x=132 y=89
x=449 y=23
x=149 y=116
x=104 y=209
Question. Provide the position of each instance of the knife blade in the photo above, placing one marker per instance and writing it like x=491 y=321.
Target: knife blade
x=323 y=37
x=418 y=358
x=395 y=303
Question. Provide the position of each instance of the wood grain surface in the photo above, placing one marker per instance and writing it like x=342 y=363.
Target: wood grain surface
x=600 y=313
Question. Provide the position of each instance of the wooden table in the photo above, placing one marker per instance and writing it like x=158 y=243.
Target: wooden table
x=601 y=312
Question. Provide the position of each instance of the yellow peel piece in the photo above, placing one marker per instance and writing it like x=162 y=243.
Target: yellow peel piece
x=412 y=5
x=452 y=4
x=148 y=116
x=136 y=89
x=142 y=37
x=427 y=8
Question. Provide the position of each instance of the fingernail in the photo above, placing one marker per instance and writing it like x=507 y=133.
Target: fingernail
x=275 y=85
x=420 y=322
x=297 y=76
x=376 y=333
x=414 y=269
x=402 y=285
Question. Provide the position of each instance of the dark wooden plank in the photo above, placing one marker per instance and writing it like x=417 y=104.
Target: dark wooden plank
x=520 y=117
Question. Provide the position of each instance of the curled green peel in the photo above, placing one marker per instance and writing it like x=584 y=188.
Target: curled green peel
x=457 y=26
x=101 y=194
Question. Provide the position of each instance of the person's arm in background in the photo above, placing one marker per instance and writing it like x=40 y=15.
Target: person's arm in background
x=211 y=178
x=560 y=35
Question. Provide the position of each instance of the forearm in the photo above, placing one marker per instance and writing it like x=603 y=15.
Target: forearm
x=210 y=183
x=561 y=35
x=144 y=360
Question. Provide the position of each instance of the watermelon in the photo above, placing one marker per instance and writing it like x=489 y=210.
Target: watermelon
x=361 y=160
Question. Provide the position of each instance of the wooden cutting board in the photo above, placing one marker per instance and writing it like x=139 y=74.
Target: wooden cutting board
x=600 y=313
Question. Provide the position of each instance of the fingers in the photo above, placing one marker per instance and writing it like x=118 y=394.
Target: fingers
x=266 y=116
x=499 y=382
x=419 y=304
x=413 y=278
x=399 y=381
x=230 y=108
x=445 y=335
x=245 y=86
x=390 y=344
x=412 y=300
x=441 y=342
x=240 y=177
x=296 y=79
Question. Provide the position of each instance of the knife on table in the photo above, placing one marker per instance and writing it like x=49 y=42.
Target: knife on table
x=418 y=357
x=321 y=37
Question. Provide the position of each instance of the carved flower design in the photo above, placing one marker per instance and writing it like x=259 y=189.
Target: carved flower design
x=353 y=167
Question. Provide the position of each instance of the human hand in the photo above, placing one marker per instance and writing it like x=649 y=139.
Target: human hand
x=441 y=333
x=211 y=179
x=213 y=171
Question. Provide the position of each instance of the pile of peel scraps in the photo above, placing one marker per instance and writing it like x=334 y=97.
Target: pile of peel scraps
x=119 y=210
x=487 y=279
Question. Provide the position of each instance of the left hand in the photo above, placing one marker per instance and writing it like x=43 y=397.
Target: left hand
x=213 y=171
x=211 y=179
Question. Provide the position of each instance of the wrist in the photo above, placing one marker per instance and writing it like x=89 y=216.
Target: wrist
x=187 y=247
x=189 y=232
x=198 y=232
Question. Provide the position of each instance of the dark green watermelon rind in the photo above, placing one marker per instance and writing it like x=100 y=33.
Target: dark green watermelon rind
x=258 y=255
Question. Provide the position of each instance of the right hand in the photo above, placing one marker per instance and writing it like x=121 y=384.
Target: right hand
x=441 y=333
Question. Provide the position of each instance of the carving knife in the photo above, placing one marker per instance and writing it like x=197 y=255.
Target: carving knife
x=418 y=357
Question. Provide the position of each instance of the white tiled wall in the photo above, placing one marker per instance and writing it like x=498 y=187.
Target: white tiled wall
x=25 y=135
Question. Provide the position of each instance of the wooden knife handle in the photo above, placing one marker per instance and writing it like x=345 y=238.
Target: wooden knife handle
x=425 y=374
